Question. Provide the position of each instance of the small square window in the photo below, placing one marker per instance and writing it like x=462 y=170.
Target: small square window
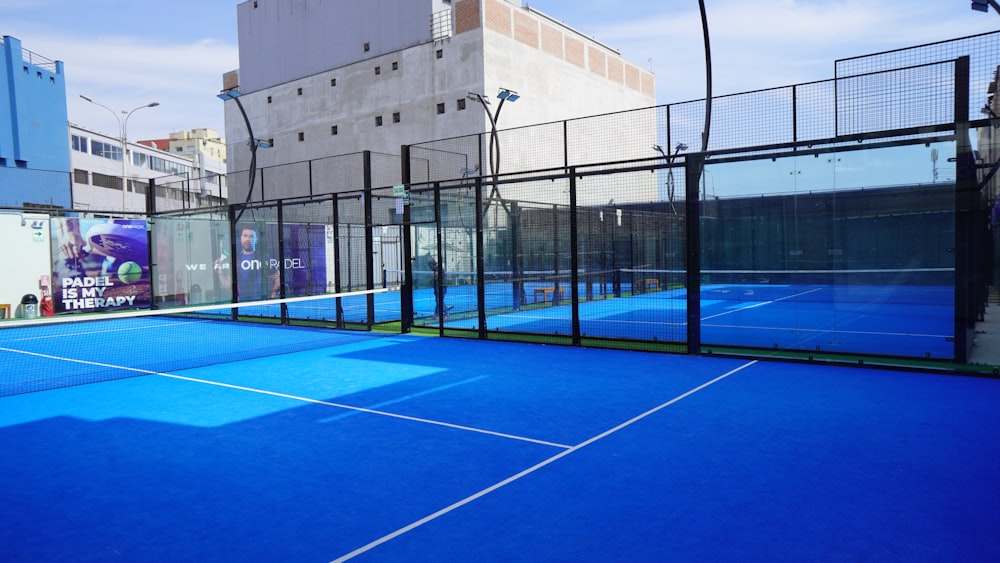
x=302 y=136
x=395 y=117
x=439 y=54
x=368 y=47
x=269 y=99
x=378 y=70
x=333 y=129
x=460 y=103
x=395 y=65
x=333 y=82
x=378 y=121
x=440 y=108
x=300 y=91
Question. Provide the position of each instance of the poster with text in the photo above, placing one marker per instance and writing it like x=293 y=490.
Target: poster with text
x=99 y=265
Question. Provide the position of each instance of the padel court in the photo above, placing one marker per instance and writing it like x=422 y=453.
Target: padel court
x=411 y=448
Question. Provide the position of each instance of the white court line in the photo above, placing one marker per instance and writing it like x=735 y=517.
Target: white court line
x=761 y=304
x=430 y=517
x=296 y=398
x=833 y=330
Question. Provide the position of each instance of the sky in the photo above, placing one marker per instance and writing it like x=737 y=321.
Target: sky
x=128 y=53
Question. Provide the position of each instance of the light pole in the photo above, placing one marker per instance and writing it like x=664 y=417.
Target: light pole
x=254 y=143
x=504 y=95
x=123 y=137
x=670 y=171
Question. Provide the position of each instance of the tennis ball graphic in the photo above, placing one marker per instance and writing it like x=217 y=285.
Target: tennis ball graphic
x=129 y=272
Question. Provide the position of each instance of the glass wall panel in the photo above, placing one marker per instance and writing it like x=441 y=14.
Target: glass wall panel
x=840 y=251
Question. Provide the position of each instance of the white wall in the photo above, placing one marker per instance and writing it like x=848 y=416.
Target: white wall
x=284 y=40
x=27 y=256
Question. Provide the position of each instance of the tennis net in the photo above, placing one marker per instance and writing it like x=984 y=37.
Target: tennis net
x=918 y=286
x=54 y=352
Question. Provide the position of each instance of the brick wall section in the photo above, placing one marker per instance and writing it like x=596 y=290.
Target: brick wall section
x=466 y=16
x=648 y=84
x=616 y=70
x=526 y=29
x=574 y=51
x=598 y=61
x=552 y=41
x=498 y=17
x=632 y=79
x=505 y=19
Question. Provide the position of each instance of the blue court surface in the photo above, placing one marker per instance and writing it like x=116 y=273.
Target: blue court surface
x=409 y=448
x=880 y=320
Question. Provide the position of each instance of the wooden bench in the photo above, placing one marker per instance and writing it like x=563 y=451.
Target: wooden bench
x=546 y=291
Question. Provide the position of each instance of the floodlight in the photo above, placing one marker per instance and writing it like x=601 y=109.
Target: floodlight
x=981 y=5
x=508 y=94
x=229 y=94
x=681 y=147
x=478 y=98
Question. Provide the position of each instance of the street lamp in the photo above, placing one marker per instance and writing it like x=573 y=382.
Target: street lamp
x=123 y=137
x=505 y=95
x=254 y=143
x=670 y=171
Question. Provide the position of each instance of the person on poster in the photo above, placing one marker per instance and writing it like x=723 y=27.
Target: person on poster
x=257 y=277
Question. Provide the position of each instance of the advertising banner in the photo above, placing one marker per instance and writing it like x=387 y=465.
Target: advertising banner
x=99 y=265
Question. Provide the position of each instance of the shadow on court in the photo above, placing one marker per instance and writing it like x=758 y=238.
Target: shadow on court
x=427 y=449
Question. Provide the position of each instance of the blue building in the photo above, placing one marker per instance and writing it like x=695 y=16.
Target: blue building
x=34 y=148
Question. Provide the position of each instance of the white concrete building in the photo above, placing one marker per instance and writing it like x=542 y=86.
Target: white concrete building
x=205 y=142
x=183 y=181
x=322 y=78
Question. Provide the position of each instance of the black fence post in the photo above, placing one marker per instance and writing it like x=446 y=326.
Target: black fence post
x=693 y=169
x=406 y=288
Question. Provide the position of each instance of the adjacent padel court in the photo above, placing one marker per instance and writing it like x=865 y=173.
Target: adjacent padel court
x=366 y=447
x=857 y=312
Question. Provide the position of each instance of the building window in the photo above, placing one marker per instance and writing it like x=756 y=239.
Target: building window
x=395 y=117
x=333 y=82
x=378 y=121
x=439 y=53
x=300 y=91
x=105 y=150
x=105 y=181
x=179 y=149
x=378 y=70
x=460 y=103
x=81 y=176
x=440 y=109
x=395 y=65
x=302 y=136
x=368 y=47
x=79 y=143
x=269 y=99
x=333 y=130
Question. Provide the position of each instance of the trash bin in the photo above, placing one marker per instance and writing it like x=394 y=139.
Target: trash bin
x=28 y=307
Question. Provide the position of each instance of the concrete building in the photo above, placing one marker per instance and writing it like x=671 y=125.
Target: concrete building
x=34 y=156
x=320 y=78
x=184 y=181
x=204 y=142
